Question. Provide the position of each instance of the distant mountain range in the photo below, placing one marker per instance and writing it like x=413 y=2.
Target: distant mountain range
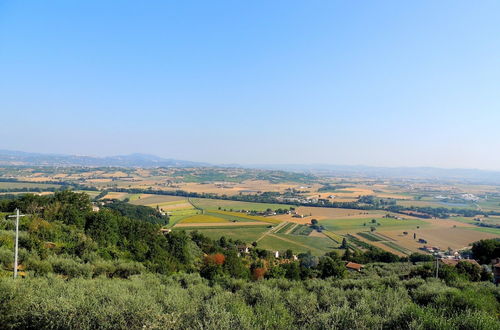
x=424 y=173
x=20 y=158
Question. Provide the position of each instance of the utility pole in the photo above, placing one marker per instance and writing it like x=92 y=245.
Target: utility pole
x=16 y=247
x=437 y=267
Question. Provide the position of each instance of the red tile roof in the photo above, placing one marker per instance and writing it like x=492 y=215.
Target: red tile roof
x=355 y=266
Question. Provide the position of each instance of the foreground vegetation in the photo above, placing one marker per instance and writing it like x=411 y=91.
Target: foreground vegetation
x=188 y=301
x=115 y=268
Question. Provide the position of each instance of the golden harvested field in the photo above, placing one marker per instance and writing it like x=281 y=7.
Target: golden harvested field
x=148 y=199
x=117 y=174
x=115 y=195
x=170 y=206
x=439 y=233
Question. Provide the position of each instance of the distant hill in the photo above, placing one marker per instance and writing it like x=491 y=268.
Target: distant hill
x=20 y=158
x=8 y=157
x=419 y=173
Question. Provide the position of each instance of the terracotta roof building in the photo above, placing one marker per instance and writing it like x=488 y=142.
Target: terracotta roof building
x=354 y=266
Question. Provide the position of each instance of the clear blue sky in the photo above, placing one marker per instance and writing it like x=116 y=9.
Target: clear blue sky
x=391 y=83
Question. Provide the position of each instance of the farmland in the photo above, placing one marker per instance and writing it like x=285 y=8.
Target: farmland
x=215 y=204
x=350 y=225
x=248 y=234
x=201 y=218
x=237 y=212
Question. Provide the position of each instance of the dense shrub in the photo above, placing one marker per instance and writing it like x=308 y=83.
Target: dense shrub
x=70 y=267
x=6 y=257
x=187 y=301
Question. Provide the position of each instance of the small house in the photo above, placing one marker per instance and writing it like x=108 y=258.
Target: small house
x=352 y=266
x=243 y=249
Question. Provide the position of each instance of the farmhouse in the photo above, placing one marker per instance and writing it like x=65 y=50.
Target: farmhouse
x=95 y=208
x=352 y=266
x=243 y=249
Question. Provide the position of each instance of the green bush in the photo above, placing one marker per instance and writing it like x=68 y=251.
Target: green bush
x=127 y=269
x=70 y=267
x=6 y=257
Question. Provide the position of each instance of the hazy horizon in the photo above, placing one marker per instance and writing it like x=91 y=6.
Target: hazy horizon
x=280 y=166
x=387 y=84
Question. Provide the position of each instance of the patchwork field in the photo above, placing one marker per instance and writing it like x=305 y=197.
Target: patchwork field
x=215 y=217
x=324 y=213
x=214 y=204
x=285 y=232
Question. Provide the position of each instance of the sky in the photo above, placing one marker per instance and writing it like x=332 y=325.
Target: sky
x=381 y=83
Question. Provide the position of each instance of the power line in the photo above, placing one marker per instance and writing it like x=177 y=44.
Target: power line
x=16 y=247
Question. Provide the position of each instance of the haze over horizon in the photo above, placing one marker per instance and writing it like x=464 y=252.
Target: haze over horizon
x=288 y=82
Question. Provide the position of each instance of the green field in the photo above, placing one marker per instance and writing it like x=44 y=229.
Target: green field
x=248 y=234
x=333 y=236
x=286 y=227
x=301 y=230
x=214 y=204
x=298 y=244
x=179 y=215
x=203 y=218
x=490 y=220
x=490 y=205
x=230 y=217
x=133 y=197
x=245 y=216
x=495 y=231
x=369 y=236
x=357 y=224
